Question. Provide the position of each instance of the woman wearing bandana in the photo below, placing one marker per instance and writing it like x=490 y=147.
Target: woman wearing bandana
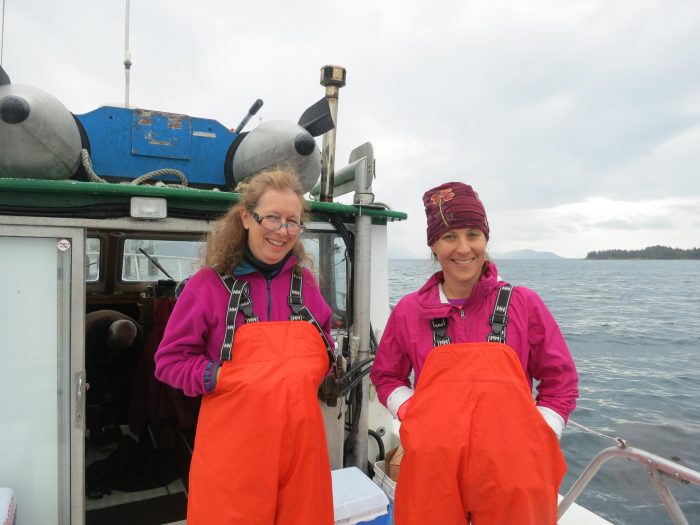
x=477 y=447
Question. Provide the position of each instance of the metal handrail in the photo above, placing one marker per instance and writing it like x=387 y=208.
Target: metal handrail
x=656 y=466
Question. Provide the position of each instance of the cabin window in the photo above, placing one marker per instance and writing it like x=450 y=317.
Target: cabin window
x=331 y=266
x=93 y=248
x=149 y=260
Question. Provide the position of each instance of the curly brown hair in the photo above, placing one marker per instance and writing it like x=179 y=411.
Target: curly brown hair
x=228 y=237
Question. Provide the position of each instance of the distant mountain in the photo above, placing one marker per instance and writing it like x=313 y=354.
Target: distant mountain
x=528 y=254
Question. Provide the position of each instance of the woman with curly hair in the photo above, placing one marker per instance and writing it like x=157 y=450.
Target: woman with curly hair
x=251 y=334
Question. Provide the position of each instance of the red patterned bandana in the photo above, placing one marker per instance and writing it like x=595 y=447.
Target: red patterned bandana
x=452 y=206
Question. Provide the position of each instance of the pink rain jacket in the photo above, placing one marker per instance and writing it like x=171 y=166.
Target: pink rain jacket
x=189 y=353
x=532 y=332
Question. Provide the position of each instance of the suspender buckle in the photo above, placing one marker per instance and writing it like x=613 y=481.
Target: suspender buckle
x=440 y=336
x=498 y=321
x=439 y=323
x=499 y=317
x=295 y=300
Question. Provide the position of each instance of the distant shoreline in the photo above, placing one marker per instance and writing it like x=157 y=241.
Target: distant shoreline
x=641 y=258
x=650 y=253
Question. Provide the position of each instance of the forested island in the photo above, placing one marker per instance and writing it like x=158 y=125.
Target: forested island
x=650 y=252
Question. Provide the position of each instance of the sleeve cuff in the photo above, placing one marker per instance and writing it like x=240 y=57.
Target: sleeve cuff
x=554 y=420
x=210 y=375
x=397 y=398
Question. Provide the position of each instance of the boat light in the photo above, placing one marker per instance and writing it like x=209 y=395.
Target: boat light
x=149 y=208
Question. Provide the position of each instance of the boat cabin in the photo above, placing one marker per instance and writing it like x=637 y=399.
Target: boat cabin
x=72 y=250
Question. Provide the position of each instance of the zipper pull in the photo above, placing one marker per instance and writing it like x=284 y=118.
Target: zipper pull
x=461 y=313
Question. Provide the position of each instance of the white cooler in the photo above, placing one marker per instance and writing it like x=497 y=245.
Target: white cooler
x=356 y=498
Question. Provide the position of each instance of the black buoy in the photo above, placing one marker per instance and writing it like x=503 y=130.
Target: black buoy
x=14 y=109
x=304 y=143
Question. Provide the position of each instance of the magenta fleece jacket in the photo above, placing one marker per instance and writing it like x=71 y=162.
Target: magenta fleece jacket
x=189 y=352
x=532 y=332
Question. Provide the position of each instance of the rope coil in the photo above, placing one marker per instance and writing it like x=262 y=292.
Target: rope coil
x=94 y=177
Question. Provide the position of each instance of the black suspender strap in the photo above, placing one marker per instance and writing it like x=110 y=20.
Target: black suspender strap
x=498 y=321
x=302 y=313
x=499 y=317
x=440 y=336
x=240 y=299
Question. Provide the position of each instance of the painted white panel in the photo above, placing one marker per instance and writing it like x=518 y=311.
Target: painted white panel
x=380 y=420
x=34 y=376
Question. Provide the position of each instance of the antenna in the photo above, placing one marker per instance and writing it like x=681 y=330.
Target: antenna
x=127 y=56
x=2 y=38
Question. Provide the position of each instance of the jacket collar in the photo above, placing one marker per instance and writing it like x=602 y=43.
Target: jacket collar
x=245 y=268
x=430 y=296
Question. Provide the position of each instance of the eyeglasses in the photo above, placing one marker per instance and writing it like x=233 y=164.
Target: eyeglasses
x=274 y=223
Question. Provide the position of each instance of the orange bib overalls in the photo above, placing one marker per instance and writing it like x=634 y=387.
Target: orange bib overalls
x=260 y=455
x=475 y=445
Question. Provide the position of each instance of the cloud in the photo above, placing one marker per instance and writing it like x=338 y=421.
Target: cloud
x=542 y=106
x=572 y=230
x=627 y=224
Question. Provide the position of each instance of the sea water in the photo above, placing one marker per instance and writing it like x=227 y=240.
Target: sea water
x=633 y=328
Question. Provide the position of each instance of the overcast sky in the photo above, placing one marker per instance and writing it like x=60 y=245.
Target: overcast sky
x=577 y=121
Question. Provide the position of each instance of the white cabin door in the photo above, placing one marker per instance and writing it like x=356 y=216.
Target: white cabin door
x=42 y=295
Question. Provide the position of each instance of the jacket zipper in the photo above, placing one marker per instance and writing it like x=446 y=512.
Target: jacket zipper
x=269 y=300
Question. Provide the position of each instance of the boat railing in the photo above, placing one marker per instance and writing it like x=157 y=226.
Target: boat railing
x=658 y=468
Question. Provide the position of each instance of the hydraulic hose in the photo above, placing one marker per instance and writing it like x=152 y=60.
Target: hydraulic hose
x=380 y=444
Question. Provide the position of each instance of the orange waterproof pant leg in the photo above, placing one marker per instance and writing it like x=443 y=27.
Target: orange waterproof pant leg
x=475 y=446
x=260 y=455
